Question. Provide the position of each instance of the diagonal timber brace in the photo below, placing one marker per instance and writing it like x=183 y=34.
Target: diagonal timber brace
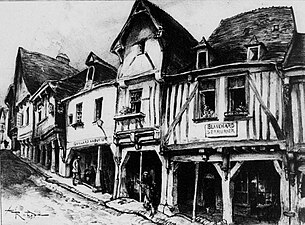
x=273 y=121
x=179 y=115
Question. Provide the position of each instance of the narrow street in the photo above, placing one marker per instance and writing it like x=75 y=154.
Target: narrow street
x=26 y=202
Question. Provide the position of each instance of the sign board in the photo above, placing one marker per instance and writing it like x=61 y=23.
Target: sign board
x=221 y=129
x=89 y=141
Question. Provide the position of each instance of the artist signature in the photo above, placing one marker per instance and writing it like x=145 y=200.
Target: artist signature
x=23 y=215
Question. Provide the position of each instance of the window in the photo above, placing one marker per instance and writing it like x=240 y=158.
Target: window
x=237 y=96
x=141 y=47
x=253 y=53
x=135 y=101
x=98 y=109
x=79 y=112
x=45 y=107
x=90 y=73
x=39 y=113
x=27 y=116
x=202 y=60
x=90 y=77
x=206 y=101
x=70 y=119
x=22 y=119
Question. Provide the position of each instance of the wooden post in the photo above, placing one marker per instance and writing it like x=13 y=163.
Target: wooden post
x=53 y=157
x=284 y=192
x=47 y=159
x=140 y=178
x=34 y=154
x=195 y=190
x=41 y=161
x=31 y=152
x=99 y=167
x=226 y=193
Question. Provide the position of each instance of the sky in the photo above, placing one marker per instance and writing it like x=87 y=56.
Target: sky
x=78 y=27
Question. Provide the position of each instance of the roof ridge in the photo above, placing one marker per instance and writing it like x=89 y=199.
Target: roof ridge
x=23 y=50
x=253 y=11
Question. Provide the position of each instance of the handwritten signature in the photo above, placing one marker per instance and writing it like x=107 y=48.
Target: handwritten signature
x=23 y=215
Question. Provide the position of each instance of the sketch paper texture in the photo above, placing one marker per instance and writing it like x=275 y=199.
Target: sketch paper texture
x=152 y=112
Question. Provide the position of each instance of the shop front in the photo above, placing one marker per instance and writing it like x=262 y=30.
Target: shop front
x=136 y=164
x=96 y=163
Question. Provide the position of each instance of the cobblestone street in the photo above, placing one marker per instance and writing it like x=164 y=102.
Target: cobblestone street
x=25 y=202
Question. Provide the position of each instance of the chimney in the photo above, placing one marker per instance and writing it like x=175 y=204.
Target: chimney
x=61 y=57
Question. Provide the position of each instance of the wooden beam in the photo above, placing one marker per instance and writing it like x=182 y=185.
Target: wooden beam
x=256 y=157
x=277 y=167
x=179 y=115
x=226 y=143
x=197 y=158
x=266 y=110
x=235 y=169
x=195 y=191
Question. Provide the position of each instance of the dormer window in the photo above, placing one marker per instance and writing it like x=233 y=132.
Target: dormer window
x=253 y=52
x=255 y=49
x=202 y=59
x=90 y=77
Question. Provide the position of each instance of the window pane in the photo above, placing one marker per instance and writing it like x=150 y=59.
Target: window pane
x=135 y=101
x=237 y=94
x=98 y=108
x=206 y=99
x=79 y=108
x=202 y=60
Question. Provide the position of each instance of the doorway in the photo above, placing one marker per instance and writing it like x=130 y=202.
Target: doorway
x=137 y=164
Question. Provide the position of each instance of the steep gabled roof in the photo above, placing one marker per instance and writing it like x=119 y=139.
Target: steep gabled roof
x=176 y=40
x=230 y=37
x=37 y=68
x=9 y=95
x=104 y=72
x=296 y=54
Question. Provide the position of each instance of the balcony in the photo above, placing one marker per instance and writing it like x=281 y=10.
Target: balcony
x=131 y=132
x=129 y=121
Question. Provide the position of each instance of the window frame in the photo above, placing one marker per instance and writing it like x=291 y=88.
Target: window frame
x=233 y=113
x=131 y=102
x=249 y=51
x=70 y=119
x=206 y=52
x=96 y=108
x=198 y=103
x=27 y=116
x=78 y=119
x=39 y=113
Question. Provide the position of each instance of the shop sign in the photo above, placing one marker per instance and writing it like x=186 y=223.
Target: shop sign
x=89 y=141
x=222 y=129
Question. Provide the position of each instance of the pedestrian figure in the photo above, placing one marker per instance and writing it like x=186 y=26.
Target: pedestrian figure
x=90 y=176
x=76 y=171
x=149 y=192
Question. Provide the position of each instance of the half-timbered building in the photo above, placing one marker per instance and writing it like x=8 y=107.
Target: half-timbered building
x=225 y=120
x=150 y=44
x=294 y=95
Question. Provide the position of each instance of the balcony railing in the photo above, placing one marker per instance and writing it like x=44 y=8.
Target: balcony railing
x=129 y=121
